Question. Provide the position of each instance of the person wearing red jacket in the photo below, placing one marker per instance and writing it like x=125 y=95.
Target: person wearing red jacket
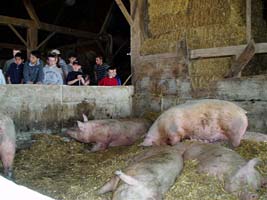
x=110 y=79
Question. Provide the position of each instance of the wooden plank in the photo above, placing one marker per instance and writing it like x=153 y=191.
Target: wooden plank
x=18 y=35
x=248 y=20
x=239 y=64
x=31 y=11
x=12 y=46
x=47 y=27
x=46 y=39
x=225 y=51
x=125 y=12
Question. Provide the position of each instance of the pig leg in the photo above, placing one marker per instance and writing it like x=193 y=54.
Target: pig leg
x=110 y=186
x=7 y=155
x=99 y=147
x=7 y=160
x=121 y=141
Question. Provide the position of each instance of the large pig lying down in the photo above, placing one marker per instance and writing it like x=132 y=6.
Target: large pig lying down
x=150 y=175
x=239 y=176
x=208 y=119
x=7 y=144
x=109 y=132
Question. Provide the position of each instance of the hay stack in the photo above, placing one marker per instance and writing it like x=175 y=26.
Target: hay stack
x=207 y=24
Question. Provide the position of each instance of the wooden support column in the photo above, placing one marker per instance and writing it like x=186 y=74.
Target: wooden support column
x=125 y=12
x=183 y=55
x=32 y=39
x=248 y=20
x=239 y=64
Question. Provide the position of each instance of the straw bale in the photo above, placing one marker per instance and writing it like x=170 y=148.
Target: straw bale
x=204 y=72
x=206 y=23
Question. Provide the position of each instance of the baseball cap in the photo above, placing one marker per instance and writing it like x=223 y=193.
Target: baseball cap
x=55 y=51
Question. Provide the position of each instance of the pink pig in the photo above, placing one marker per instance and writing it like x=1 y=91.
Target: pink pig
x=109 y=132
x=7 y=144
x=207 y=119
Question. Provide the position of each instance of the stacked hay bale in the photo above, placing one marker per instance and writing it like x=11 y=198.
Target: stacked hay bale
x=206 y=24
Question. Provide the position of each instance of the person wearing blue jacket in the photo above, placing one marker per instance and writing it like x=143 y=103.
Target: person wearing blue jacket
x=33 y=69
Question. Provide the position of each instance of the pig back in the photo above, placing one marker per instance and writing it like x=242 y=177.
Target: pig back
x=208 y=119
x=7 y=129
x=155 y=170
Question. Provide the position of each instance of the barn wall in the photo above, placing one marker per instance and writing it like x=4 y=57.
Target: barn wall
x=48 y=109
x=161 y=81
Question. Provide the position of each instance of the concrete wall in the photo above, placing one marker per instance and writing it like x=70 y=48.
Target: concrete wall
x=39 y=108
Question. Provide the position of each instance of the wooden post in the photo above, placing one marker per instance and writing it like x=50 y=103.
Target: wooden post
x=248 y=20
x=239 y=64
x=182 y=52
x=125 y=12
x=32 y=39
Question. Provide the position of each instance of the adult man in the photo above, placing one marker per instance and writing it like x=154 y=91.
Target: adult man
x=100 y=69
x=52 y=74
x=10 y=61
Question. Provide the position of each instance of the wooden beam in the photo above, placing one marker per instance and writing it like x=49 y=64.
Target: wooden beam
x=239 y=64
x=104 y=25
x=225 y=51
x=125 y=12
x=78 y=44
x=47 y=27
x=248 y=20
x=31 y=11
x=46 y=39
x=18 y=34
x=12 y=46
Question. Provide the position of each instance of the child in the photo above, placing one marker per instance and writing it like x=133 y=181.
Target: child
x=75 y=77
x=15 y=71
x=110 y=79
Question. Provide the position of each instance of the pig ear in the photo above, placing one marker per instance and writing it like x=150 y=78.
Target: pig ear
x=127 y=179
x=85 y=119
x=80 y=125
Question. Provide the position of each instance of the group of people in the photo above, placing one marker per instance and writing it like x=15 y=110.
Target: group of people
x=55 y=71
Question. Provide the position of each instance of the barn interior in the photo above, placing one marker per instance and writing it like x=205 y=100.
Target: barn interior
x=167 y=53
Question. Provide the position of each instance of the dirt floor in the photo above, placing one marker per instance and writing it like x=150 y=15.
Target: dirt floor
x=66 y=170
